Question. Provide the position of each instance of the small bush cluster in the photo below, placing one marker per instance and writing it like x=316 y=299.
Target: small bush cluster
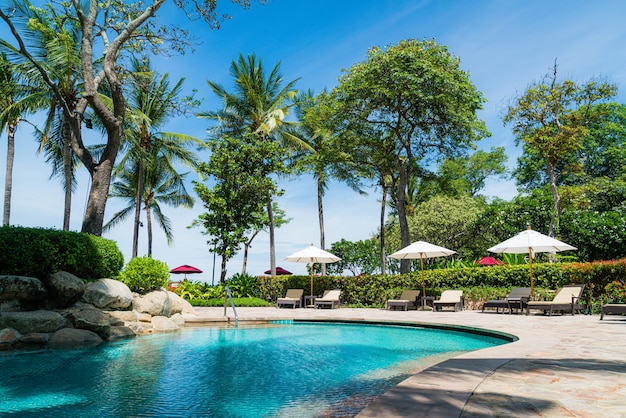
x=145 y=274
x=39 y=252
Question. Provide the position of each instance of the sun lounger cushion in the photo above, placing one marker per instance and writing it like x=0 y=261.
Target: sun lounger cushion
x=293 y=298
x=452 y=298
x=565 y=300
x=407 y=299
x=330 y=299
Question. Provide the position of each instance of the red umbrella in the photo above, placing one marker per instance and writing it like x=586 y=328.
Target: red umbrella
x=184 y=269
x=279 y=272
x=489 y=261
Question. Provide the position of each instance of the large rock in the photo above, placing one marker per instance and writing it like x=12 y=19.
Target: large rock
x=71 y=337
x=163 y=324
x=180 y=305
x=125 y=316
x=8 y=337
x=157 y=303
x=22 y=288
x=10 y=306
x=121 y=333
x=92 y=320
x=178 y=319
x=34 y=321
x=65 y=289
x=108 y=294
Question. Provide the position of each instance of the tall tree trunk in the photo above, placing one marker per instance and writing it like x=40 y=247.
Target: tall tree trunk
x=8 y=178
x=98 y=194
x=320 y=214
x=383 y=257
x=149 y=226
x=270 y=216
x=138 y=198
x=556 y=214
x=403 y=180
x=246 y=248
x=223 y=268
x=67 y=172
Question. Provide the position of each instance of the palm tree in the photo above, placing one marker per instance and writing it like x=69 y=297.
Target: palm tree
x=161 y=184
x=151 y=103
x=57 y=42
x=17 y=98
x=260 y=104
x=321 y=159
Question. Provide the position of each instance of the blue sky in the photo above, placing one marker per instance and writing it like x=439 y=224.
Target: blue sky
x=504 y=45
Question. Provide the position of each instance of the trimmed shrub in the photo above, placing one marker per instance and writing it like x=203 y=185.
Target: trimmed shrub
x=39 y=252
x=145 y=274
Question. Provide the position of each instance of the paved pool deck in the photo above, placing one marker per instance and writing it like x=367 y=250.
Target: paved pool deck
x=560 y=366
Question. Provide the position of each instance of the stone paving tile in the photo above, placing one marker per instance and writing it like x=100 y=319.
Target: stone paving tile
x=561 y=366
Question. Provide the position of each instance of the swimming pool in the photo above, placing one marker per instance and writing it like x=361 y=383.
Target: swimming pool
x=282 y=369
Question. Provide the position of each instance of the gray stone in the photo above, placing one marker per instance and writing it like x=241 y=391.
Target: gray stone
x=108 y=294
x=180 y=305
x=163 y=324
x=22 y=288
x=71 y=337
x=157 y=303
x=10 y=306
x=145 y=317
x=121 y=333
x=178 y=319
x=8 y=337
x=124 y=316
x=65 y=289
x=39 y=338
x=92 y=320
x=35 y=321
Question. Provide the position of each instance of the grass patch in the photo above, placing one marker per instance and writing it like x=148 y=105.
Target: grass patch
x=239 y=302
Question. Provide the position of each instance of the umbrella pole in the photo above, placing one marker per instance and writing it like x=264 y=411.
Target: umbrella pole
x=532 y=284
x=422 y=268
x=311 y=274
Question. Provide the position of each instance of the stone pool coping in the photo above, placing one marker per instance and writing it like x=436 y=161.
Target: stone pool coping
x=560 y=366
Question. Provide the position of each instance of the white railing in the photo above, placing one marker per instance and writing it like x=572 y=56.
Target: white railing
x=232 y=304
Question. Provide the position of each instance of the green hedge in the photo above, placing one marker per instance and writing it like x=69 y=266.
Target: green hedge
x=38 y=252
x=603 y=280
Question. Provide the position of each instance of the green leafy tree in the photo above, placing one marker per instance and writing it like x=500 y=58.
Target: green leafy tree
x=441 y=220
x=603 y=152
x=466 y=176
x=239 y=168
x=550 y=120
x=417 y=98
x=360 y=257
x=259 y=104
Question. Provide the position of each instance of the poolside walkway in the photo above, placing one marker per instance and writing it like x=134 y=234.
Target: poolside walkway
x=561 y=366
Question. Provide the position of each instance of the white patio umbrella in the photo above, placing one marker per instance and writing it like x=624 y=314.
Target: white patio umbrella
x=422 y=250
x=530 y=242
x=312 y=254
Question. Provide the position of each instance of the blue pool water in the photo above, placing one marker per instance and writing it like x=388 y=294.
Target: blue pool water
x=290 y=369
